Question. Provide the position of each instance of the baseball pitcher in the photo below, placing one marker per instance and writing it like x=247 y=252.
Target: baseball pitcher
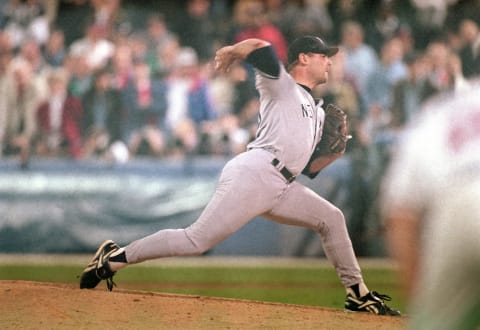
x=261 y=181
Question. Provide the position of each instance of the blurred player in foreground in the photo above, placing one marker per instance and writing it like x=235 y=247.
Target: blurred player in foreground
x=432 y=211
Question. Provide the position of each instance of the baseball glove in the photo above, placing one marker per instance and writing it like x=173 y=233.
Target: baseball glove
x=334 y=136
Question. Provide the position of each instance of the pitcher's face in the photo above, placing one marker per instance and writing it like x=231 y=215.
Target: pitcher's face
x=320 y=65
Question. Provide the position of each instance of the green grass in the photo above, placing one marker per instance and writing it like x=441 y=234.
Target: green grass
x=318 y=286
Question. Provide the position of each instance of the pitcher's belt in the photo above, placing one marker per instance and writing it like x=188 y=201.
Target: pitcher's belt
x=284 y=171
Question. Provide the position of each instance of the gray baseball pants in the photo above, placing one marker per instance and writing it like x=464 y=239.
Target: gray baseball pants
x=251 y=186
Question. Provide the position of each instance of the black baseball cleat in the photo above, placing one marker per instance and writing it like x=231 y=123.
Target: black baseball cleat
x=372 y=302
x=98 y=269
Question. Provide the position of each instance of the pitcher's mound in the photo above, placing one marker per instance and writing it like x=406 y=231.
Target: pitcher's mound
x=35 y=305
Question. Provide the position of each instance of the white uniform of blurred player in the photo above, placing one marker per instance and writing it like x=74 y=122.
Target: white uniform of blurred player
x=432 y=208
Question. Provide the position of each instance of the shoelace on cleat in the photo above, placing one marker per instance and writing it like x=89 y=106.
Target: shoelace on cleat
x=381 y=296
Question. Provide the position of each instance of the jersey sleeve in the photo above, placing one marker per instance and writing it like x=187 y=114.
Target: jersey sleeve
x=265 y=60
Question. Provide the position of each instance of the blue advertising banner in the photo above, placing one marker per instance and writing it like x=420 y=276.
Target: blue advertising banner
x=61 y=206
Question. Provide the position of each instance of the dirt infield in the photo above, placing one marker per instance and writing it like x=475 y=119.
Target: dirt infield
x=35 y=305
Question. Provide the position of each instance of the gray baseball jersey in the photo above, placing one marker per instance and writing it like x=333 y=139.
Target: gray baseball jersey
x=290 y=121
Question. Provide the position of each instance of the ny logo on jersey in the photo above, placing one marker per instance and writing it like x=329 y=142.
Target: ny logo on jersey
x=307 y=111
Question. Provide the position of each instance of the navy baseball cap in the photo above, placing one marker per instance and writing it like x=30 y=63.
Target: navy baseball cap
x=309 y=44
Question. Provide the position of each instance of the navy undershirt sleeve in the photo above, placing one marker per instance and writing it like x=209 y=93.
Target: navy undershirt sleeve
x=265 y=59
x=306 y=171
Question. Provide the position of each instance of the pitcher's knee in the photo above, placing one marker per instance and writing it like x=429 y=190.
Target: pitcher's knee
x=199 y=245
x=338 y=214
x=333 y=219
x=201 y=248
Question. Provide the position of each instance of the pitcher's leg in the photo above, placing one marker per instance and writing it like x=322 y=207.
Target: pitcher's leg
x=301 y=206
x=235 y=202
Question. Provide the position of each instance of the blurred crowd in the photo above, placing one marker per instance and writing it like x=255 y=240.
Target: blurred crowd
x=119 y=79
x=98 y=78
